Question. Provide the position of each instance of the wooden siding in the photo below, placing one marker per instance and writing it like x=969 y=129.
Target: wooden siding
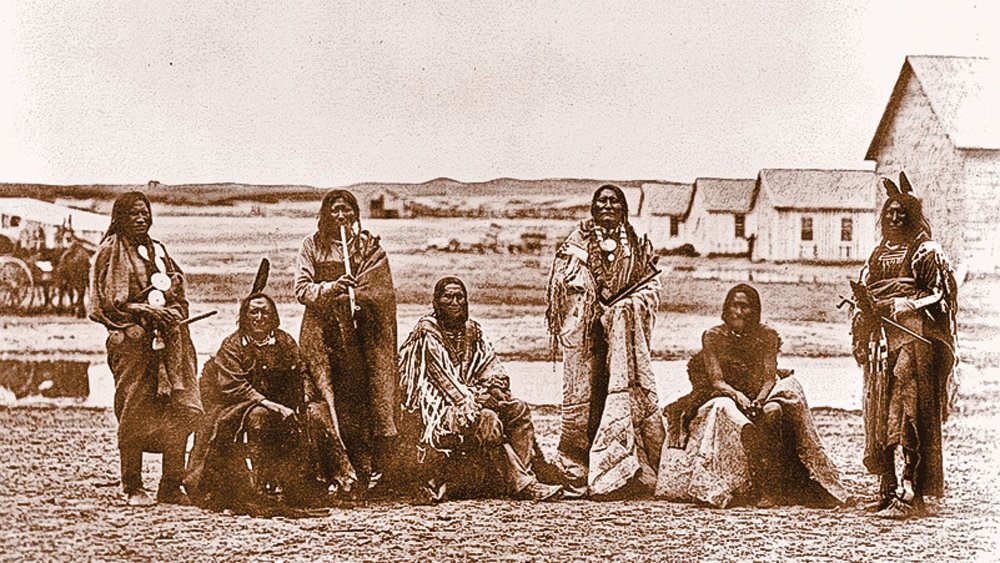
x=778 y=234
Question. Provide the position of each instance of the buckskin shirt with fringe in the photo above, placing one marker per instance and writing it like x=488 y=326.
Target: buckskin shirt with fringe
x=441 y=386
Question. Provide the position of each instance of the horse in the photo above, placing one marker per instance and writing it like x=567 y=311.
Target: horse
x=72 y=274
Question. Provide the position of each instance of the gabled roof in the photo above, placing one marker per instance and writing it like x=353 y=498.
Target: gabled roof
x=51 y=214
x=962 y=91
x=726 y=195
x=667 y=198
x=833 y=190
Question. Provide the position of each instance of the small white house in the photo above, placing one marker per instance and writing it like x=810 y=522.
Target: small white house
x=665 y=210
x=721 y=221
x=815 y=215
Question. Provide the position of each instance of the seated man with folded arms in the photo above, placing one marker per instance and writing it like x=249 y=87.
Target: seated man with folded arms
x=259 y=449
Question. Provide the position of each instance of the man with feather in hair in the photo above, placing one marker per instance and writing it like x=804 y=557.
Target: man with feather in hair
x=904 y=331
x=258 y=450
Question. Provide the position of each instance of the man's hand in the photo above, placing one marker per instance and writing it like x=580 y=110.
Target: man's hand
x=486 y=400
x=278 y=408
x=163 y=316
x=340 y=286
x=742 y=402
x=884 y=307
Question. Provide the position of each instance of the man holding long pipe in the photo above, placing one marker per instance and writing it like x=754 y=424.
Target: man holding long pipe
x=348 y=334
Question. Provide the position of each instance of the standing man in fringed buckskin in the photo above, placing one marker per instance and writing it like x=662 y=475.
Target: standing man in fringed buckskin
x=602 y=299
x=904 y=335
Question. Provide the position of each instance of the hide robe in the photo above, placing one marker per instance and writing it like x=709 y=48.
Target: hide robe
x=908 y=384
x=611 y=431
x=705 y=458
x=351 y=358
x=156 y=391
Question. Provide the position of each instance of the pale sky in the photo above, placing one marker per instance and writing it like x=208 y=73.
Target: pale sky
x=332 y=93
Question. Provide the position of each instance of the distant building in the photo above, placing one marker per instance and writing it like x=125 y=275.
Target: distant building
x=814 y=215
x=665 y=209
x=941 y=126
x=385 y=204
x=721 y=222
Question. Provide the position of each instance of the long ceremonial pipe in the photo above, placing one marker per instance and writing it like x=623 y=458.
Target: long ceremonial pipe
x=197 y=318
x=347 y=270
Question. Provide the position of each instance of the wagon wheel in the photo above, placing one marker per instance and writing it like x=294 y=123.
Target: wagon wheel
x=15 y=284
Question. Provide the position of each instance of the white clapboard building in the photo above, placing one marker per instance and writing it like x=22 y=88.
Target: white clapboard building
x=721 y=220
x=665 y=210
x=814 y=215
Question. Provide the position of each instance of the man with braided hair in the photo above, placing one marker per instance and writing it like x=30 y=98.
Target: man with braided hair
x=474 y=436
x=602 y=298
x=908 y=373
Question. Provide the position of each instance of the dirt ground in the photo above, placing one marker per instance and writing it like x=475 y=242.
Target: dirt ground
x=59 y=500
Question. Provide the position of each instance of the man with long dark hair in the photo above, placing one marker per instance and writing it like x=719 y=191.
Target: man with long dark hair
x=602 y=299
x=473 y=435
x=908 y=362
x=348 y=333
x=138 y=293
x=744 y=434
x=253 y=453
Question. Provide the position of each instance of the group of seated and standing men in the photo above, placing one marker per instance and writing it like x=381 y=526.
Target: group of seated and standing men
x=279 y=427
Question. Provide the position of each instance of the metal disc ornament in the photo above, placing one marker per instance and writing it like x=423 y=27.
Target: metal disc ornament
x=156 y=298
x=609 y=245
x=160 y=281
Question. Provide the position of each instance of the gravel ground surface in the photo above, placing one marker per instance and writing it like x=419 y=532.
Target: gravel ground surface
x=59 y=499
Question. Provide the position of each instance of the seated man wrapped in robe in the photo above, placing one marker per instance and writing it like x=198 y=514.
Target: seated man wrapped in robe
x=744 y=434
x=471 y=437
x=263 y=448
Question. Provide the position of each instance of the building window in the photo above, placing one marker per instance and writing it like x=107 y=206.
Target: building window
x=740 y=224
x=807 y=228
x=846 y=229
x=675 y=225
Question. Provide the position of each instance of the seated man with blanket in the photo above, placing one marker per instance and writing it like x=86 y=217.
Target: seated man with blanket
x=745 y=432
x=256 y=451
x=474 y=437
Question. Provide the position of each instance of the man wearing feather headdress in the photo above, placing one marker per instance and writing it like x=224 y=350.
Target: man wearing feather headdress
x=908 y=362
x=602 y=299
x=451 y=377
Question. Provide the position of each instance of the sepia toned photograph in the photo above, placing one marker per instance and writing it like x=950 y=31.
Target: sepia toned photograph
x=666 y=280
